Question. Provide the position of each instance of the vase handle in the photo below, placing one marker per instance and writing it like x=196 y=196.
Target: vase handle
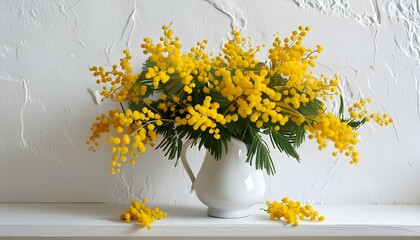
x=185 y=163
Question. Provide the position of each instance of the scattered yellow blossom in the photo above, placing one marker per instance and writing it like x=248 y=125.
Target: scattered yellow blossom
x=143 y=214
x=290 y=212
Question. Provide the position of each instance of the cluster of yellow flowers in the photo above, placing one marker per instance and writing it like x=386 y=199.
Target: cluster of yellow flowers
x=203 y=116
x=168 y=59
x=222 y=96
x=123 y=83
x=359 y=111
x=134 y=130
x=143 y=214
x=328 y=127
x=290 y=212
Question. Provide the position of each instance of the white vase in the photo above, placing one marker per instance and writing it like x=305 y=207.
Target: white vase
x=228 y=186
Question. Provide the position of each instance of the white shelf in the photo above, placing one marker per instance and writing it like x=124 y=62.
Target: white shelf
x=88 y=220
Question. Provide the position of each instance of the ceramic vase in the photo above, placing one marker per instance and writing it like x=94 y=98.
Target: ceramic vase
x=228 y=186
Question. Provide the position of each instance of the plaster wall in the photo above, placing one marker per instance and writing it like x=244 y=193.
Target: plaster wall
x=48 y=98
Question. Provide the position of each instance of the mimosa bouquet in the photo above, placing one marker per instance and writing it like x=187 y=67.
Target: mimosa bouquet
x=213 y=98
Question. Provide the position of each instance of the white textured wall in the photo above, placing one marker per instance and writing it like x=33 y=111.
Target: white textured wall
x=46 y=48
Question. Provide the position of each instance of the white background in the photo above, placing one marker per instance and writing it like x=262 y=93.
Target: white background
x=47 y=107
